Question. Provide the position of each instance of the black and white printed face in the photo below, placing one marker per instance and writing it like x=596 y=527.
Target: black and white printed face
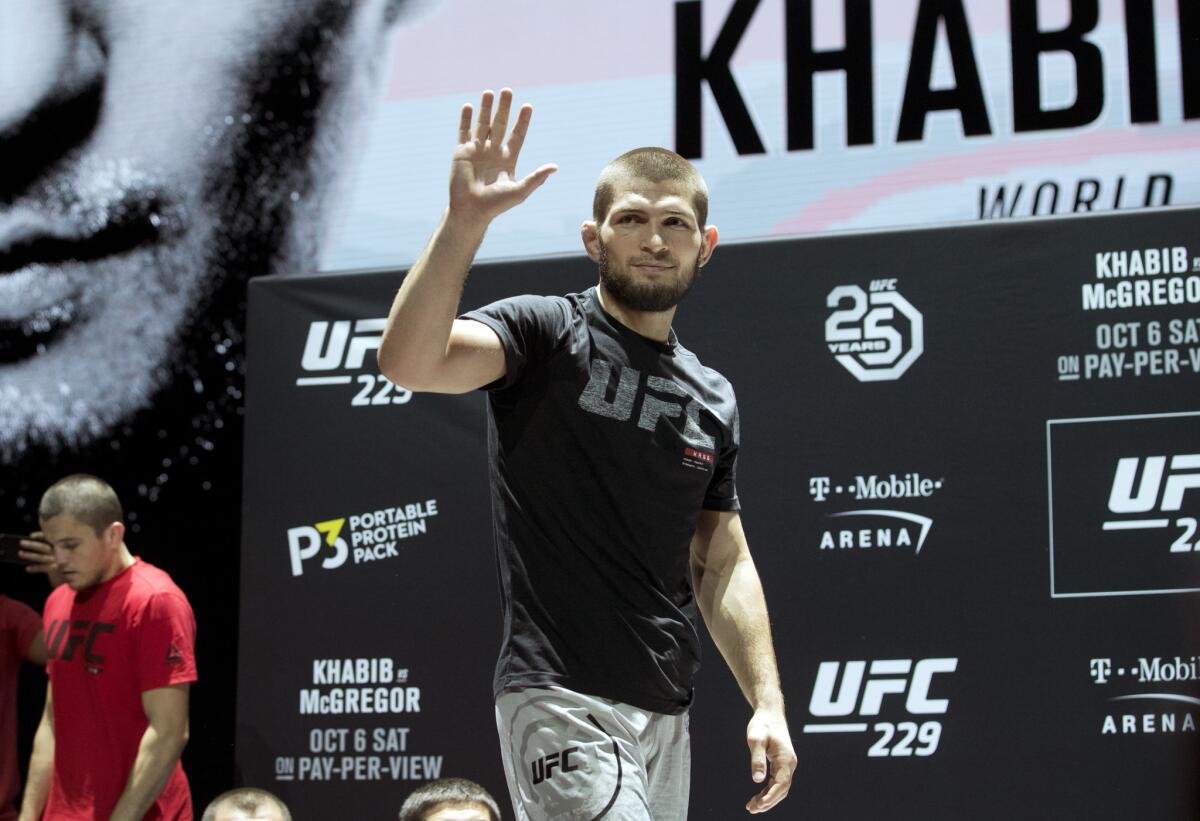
x=155 y=151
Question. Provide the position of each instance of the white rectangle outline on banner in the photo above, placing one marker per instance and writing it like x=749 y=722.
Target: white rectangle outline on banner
x=1050 y=510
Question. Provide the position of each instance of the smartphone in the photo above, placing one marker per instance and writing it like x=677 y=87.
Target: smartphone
x=9 y=545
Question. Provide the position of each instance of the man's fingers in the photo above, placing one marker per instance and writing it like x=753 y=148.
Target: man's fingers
x=40 y=561
x=500 y=121
x=532 y=181
x=517 y=138
x=758 y=759
x=772 y=795
x=483 y=125
x=464 y=123
x=35 y=548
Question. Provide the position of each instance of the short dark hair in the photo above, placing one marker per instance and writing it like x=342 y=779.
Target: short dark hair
x=87 y=498
x=653 y=164
x=447 y=793
x=247 y=799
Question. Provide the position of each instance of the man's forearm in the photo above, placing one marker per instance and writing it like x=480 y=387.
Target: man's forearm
x=41 y=774
x=423 y=312
x=157 y=756
x=735 y=610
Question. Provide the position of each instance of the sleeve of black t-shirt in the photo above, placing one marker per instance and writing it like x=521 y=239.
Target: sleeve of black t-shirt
x=722 y=487
x=530 y=329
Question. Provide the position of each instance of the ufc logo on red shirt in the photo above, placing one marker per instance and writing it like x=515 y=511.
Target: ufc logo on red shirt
x=78 y=633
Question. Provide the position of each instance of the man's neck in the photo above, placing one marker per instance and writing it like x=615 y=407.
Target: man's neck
x=653 y=324
x=121 y=562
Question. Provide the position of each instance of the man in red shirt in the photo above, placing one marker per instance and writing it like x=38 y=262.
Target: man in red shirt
x=120 y=637
x=20 y=639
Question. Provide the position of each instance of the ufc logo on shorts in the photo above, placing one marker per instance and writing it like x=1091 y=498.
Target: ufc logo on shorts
x=544 y=767
x=886 y=677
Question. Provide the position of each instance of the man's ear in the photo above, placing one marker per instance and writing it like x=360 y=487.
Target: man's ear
x=115 y=533
x=590 y=233
x=708 y=242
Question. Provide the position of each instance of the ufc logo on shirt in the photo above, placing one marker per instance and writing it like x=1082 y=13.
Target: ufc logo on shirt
x=78 y=633
x=595 y=399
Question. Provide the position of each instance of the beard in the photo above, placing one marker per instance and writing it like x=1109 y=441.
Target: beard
x=619 y=282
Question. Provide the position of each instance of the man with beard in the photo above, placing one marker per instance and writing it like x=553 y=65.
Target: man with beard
x=615 y=510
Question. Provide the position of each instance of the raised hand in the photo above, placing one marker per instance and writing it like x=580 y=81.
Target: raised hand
x=37 y=551
x=483 y=174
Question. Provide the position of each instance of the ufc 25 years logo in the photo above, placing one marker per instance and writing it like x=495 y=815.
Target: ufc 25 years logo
x=858 y=689
x=875 y=335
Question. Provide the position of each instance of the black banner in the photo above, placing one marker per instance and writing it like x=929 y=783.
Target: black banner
x=970 y=475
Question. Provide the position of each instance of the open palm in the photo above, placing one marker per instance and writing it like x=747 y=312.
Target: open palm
x=483 y=174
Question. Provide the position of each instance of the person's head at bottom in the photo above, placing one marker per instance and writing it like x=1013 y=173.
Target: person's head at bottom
x=450 y=799
x=246 y=804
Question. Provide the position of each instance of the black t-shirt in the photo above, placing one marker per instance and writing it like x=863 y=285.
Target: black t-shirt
x=604 y=445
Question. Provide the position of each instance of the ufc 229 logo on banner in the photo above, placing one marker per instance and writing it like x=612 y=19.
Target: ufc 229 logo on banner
x=1159 y=496
x=336 y=353
x=1124 y=504
x=875 y=334
x=844 y=693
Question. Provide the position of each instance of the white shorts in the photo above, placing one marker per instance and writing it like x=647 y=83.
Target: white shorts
x=572 y=757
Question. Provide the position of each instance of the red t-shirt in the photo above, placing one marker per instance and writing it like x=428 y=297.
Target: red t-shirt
x=19 y=624
x=109 y=644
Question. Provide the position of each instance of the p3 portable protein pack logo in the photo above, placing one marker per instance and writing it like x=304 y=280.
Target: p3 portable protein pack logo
x=875 y=334
x=373 y=536
x=850 y=698
x=1124 y=505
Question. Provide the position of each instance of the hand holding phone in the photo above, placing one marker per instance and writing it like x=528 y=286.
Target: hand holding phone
x=11 y=547
x=32 y=551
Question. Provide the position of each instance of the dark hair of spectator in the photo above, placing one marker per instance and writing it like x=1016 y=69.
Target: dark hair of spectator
x=447 y=793
x=86 y=498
